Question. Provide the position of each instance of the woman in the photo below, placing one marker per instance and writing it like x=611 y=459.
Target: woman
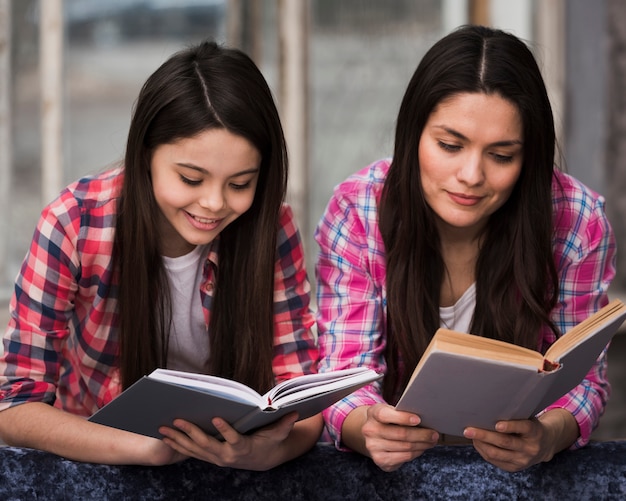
x=185 y=257
x=469 y=227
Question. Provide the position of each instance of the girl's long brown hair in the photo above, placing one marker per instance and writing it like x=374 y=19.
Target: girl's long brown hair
x=516 y=279
x=204 y=87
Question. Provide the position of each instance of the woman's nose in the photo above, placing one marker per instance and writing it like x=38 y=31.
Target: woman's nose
x=471 y=171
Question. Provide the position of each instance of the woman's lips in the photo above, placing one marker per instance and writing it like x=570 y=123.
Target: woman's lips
x=466 y=200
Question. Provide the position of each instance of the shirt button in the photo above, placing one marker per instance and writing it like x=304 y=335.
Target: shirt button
x=209 y=287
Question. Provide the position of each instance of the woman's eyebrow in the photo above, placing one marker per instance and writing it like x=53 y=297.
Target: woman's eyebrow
x=455 y=133
x=202 y=170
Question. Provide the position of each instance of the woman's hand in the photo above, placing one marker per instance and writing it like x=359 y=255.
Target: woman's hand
x=516 y=445
x=261 y=450
x=388 y=436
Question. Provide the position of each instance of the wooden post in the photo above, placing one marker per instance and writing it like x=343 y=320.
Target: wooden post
x=616 y=133
x=586 y=71
x=244 y=19
x=51 y=65
x=550 y=54
x=234 y=23
x=6 y=150
x=479 y=12
x=293 y=21
x=454 y=13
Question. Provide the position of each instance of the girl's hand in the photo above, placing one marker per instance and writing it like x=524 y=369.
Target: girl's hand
x=516 y=445
x=390 y=437
x=158 y=453
x=260 y=450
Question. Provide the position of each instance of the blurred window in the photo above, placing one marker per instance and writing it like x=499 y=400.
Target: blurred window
x=361 y=56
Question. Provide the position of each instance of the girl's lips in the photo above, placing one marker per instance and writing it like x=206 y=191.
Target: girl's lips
x=203 y=223
x=467 y=200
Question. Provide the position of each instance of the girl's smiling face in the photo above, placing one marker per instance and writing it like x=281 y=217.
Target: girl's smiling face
x=470 y=157
x=202 y=184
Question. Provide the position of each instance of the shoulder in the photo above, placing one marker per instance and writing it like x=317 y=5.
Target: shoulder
x=90 y=193
x=288 y=239
x=566 y=188
x=84 y=210
x=579 y=213
x=365 y=184
x=357 y=197
x=349 y=225
x=286 y=218
x=574 y=202
x=287 y=225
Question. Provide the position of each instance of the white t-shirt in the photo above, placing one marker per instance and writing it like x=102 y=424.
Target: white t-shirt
x=458 y=317
x=189 y=339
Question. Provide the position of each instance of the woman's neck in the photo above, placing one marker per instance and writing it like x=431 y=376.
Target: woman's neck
x=460 y=259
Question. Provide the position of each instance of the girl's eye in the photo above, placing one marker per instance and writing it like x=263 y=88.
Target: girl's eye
x=191 y=182
x=239 y=187
x=452 y=148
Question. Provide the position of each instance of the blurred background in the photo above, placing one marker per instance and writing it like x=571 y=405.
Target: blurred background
x=70 y=71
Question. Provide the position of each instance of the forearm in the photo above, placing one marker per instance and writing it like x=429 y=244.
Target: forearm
x=562 y=427
x=586 y=402
x=302 y=438
x=352 y=431
x=40 y=426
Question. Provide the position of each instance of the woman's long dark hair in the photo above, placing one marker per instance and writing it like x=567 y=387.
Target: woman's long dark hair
x=516 y=279
x=204 y=87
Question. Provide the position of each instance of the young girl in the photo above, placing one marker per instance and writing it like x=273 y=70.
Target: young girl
x=185 y=257
x=469 y=227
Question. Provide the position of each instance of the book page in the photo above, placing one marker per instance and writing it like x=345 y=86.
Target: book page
x=460 y=343
x=310 y=399
x=608 y=318
x=227 y=388
x=493 y=349
x=303 y=387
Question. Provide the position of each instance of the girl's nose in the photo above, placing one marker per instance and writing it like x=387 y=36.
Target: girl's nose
x=212 y=199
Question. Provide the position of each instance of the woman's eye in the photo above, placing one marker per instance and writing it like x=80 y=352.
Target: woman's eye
x=191 y=182
x=502 y=159
x=448 y=147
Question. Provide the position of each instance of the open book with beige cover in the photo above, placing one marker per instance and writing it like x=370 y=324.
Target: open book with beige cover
x=466 y=380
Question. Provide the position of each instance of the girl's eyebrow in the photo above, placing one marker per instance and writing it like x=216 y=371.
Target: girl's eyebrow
x=202 y=170
x=457 y=134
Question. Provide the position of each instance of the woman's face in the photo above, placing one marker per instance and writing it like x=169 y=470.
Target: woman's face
x=470 y=157
x=202 y=184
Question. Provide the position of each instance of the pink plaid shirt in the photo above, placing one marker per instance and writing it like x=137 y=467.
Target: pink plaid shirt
x=61 y=342
x=351 y=293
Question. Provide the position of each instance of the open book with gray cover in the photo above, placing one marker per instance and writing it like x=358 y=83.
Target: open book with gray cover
x=157 y=399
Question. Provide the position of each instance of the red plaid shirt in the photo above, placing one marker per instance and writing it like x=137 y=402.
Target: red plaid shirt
x=61 y=343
